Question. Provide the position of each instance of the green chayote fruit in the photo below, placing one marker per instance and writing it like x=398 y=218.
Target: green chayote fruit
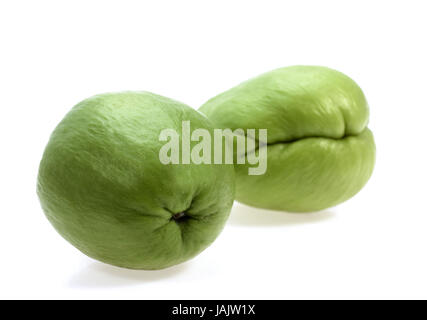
x=104 y=189
x=319 y=149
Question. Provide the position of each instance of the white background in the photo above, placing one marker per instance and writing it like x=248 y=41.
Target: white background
x=53 y=54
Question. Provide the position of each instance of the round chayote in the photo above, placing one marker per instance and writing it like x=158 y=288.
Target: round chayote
x=102 y=186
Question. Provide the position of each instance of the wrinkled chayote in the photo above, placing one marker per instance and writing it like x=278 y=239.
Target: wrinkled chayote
x=320 y=151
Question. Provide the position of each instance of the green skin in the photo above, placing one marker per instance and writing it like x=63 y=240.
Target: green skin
x=320 y=151
x=102 y=186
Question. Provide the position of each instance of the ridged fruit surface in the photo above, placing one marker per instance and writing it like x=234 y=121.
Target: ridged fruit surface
x=319 y=149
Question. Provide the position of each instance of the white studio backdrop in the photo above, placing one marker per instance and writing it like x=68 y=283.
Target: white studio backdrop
x=54 y=54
